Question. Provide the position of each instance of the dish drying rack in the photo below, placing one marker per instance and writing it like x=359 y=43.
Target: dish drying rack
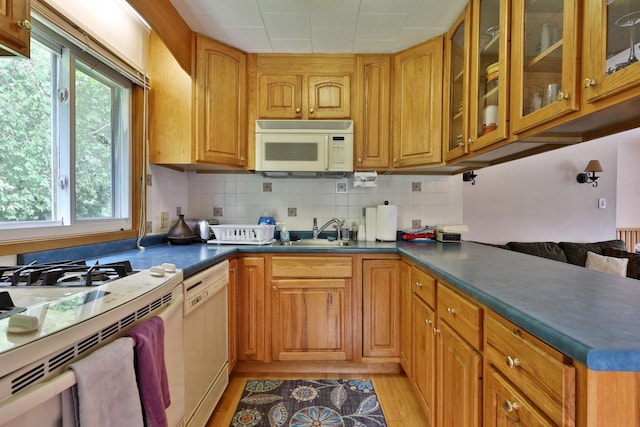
x=261 y=234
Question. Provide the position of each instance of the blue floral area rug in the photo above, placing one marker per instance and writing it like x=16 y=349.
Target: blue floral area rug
x=307 y=403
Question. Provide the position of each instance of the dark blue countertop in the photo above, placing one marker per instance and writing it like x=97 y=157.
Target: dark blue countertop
x=592 y=317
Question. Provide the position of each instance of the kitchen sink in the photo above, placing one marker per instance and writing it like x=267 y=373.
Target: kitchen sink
x=317 y=243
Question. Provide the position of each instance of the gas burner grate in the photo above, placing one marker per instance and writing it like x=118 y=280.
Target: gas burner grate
x=63 y=273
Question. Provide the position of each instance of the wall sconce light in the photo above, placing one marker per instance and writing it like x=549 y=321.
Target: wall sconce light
x=469 y=176
x=593 y=167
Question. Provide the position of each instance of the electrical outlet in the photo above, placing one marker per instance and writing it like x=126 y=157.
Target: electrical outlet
x=341 y=187
x=178 y=210
x=416 y=186
x=266 y=187
x=416 y=223
x=217 y=211
x=164 y=219
x=292 y=211
x=149 y=180
x=149 y=226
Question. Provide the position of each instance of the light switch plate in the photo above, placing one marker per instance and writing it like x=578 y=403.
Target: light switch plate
x=602 y=203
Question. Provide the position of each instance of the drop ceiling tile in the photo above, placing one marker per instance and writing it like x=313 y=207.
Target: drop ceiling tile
x=292 y=46
x=389 y=6
x=373 y=46
x=434 y=14
x=249 y=39
x=284 y=6
x=235 y=12
x=379 y=26
x=287 y=25
x=412 y=36
x=337 y=40
x=334 y=13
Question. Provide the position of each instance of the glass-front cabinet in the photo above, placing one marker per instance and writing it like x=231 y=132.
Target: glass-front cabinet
x=457 y=77
x=489 y=73
x=611 y=48
x=544 y=61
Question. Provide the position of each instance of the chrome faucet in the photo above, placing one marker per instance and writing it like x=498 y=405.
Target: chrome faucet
x=337 y=223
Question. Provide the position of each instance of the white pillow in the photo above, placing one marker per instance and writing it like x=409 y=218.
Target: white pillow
x=607 y=264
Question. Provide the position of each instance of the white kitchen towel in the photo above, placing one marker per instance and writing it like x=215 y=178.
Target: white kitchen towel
x=387 y=223
x=106 y=393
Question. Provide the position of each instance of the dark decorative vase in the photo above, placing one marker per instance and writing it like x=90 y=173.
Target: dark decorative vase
x=180 y=233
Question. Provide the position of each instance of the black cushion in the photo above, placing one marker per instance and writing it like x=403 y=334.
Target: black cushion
x=550 y=250
x=576 y=253
x=633 y=267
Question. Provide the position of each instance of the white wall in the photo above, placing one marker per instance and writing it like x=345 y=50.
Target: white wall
x=628 y=209
x=538 y=198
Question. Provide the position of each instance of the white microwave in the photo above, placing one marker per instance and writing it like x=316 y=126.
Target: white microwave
x=304 y=145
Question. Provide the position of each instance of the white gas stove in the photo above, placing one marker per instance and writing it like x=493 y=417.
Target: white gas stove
x=76 y=320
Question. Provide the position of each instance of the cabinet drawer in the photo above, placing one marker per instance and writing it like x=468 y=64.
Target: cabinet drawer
x=424 y=285
x=541 y=372
x=310 y=266
x=461 y=314
x=505 y=405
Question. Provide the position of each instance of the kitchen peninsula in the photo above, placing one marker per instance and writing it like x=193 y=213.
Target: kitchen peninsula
x=585 y=319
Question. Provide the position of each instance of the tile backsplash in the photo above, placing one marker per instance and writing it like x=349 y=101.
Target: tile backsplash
x=242 y=198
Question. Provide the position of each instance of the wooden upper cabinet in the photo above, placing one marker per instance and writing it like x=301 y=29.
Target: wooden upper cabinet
x=15 y=27
x=544 y=61
x=609 y=64
x=371 y=112
x=221 y=97
x=201 y=119
x=304 y=96
x=417 y=105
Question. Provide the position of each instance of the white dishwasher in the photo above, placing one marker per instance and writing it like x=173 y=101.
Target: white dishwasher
x=205 y=342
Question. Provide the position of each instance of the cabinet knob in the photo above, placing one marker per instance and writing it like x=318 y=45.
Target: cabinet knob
x=419 y=284
x=359 y=159
x=451 y=310
x=428 y=321
x=24 y=25
x=513 y=362
x=470 y=141
x=589 y=83
x=311 y=110
x=562 y=96
x=436 y=331
x=511 y=406
x=232 y=270
x=298 y=110
x=274 y=287
x=242 y=158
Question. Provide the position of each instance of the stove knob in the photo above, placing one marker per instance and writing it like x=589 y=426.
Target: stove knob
x=157 y=271
x=168 y=267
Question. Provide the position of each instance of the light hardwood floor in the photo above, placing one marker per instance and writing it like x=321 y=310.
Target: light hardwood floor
x=399 y=404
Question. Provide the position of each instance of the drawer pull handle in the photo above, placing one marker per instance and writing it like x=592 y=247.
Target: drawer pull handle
x=513 y=362
x=451 y=310
x=511 y=406
x=419 y=284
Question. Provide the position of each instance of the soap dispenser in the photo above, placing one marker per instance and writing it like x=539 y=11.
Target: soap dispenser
x=284 y=233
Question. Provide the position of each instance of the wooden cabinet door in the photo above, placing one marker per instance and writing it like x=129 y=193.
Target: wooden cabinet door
x=405 y=318
x=329 y=97
x=417 y=105
x=233 y=314
x=424 y=357
x=373 y=90
x=221 y=118
x=15 y=27
x=280 y=96
x=459 y=380
x=310 y=319
x=381 y=308
x=251 y=309
x=505 y=406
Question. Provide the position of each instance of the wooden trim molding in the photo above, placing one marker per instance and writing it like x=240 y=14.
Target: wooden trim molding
x=165 y=20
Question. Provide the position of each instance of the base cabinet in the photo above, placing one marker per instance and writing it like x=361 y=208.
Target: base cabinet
x=424 y=357
x=233 y=314
x=251 y=309
x=381 y=308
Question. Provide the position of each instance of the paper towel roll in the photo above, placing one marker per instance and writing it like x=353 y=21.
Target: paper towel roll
x=370 y=223
x=387 y=222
